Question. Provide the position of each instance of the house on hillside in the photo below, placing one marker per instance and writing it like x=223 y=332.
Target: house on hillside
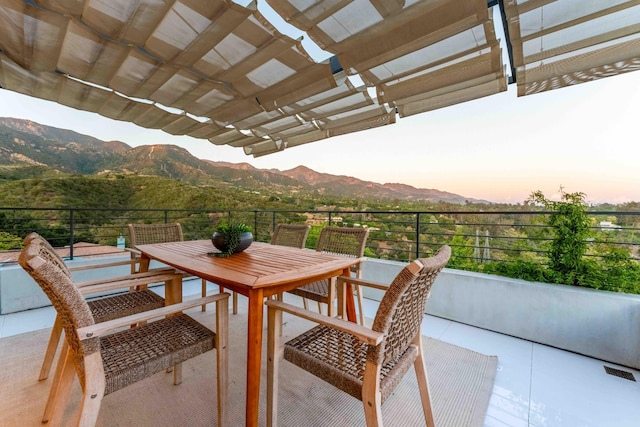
x=320 y=219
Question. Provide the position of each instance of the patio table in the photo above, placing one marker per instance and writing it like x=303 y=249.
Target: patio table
x=259 y=272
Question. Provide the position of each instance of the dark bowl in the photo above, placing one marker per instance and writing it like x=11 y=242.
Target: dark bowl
x=219 y=241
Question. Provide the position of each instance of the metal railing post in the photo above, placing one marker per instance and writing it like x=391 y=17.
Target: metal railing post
x=71 y=233
x=417 y=235
x=255 y=222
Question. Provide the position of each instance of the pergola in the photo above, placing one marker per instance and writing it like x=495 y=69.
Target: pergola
x=220 y=71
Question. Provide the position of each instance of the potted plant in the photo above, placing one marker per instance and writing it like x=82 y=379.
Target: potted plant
x=230 y=238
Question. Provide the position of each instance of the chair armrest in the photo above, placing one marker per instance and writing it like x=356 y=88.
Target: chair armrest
x=133 y=251
x=150 y=274
x=137 y=279
x=105 y=328
x=362 y=333
x=362 y=282
x=104 y=265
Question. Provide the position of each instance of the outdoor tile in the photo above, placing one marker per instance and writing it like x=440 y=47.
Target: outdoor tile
x=435 y=327
x=509 y=404
x=26 y=321
x=507 y=409
x=535 y=385
x=570 y=390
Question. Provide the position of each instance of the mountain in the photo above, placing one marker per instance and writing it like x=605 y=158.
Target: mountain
x=67 y=137
x=347 y=186
x=29 y=146
x=25 y=142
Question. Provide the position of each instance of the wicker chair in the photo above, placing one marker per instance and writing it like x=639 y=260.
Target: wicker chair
x=365 y=363
x=106 y=308
x=293 y=235
x=342 y=241
x=109 y=356
x=145 y=234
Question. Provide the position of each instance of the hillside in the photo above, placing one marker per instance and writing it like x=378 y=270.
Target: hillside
x=29 y=149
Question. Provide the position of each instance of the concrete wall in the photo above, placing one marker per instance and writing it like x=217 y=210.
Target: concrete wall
x=19 y=292
x=599 y=324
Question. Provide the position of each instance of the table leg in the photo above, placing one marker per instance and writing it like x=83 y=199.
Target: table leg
x=347 y=293
x=351 y=306
x=143 y=268
x=144 y=263
x=173 y=291
x=254 y=354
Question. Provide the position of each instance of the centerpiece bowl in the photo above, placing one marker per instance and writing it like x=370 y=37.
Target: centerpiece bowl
x=220 y=242
x=232 y=238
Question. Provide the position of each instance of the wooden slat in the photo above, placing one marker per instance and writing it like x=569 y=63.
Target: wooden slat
x=129 y=283
x=362 y=333
x=151 y=274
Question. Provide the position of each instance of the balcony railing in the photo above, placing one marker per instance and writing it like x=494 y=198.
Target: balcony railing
x=478 y=239
x=561 y=316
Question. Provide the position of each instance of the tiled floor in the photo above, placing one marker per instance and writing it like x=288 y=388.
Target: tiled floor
x=535 y=385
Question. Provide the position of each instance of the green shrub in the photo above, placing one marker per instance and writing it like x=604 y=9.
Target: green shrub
x=518 y=269
x=9 y=241
x=570 y=225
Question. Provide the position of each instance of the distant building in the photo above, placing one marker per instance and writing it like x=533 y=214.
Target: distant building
x=608 y=225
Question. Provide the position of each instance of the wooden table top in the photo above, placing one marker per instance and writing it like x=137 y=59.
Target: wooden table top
x=261 y=265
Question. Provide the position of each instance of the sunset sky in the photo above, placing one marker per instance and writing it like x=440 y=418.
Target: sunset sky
x=499 y=148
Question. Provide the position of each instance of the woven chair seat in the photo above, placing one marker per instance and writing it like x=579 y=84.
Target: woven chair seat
x=316 y=291
x=120 y=305
x=151 y=348
x=339 y=359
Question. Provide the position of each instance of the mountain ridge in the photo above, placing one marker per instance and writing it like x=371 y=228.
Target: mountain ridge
x=24 y=142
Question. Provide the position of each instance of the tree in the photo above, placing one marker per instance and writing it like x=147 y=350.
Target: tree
x=570 y=225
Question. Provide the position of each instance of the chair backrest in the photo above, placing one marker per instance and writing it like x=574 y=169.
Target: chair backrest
x=294 y=235
x=401 y=310
x=343 y=241
x=42 y=265
x=145 y=234
x=54 y=254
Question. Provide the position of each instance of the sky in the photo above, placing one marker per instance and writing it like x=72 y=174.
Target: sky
x=499 y=148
